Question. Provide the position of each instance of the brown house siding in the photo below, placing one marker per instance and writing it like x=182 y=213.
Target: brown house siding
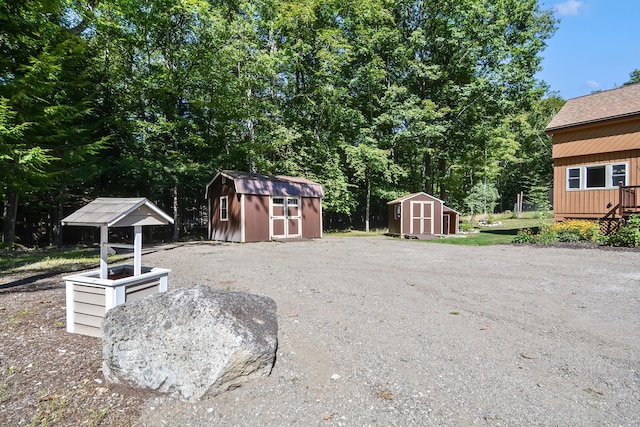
x=596 y=139
x=589 y=203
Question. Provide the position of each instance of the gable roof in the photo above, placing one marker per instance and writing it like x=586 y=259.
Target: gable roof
x=118 y=212
x=270 y=185
x=607 y=105
x=412 y=195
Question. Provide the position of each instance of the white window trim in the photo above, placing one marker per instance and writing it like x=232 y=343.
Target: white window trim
x=608 y=176
x=226 y=210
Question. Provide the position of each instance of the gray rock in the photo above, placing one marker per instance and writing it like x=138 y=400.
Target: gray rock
x=190 y=343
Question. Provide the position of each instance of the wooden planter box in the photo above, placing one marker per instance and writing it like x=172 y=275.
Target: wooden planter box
x=89 y=297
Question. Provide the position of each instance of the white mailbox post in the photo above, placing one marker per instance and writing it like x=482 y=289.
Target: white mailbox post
x=90 y=295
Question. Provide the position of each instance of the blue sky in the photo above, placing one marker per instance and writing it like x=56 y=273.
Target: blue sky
x=596 y=46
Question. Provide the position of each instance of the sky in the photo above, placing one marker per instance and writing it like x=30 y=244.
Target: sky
x=596 y=45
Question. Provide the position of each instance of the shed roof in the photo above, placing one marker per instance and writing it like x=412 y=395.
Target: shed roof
x=607 y=105
x=118 y=212
x=265 y=185
x=412 y=195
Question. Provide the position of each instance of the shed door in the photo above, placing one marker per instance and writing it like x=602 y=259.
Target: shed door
x=285 y=217
x=421 y=218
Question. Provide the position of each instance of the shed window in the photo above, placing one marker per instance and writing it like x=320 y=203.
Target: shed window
x=573 y=178
x=396 y=211
x=224 y=208
x=278 y=200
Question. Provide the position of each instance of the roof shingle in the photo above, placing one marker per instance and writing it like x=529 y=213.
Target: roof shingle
x=610 y=104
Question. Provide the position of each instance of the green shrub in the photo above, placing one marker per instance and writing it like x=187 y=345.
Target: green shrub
x=466 y=225
x=546 y=236
x=575 y=230
x=628 y=234
x=524 y=236
x=569 y=236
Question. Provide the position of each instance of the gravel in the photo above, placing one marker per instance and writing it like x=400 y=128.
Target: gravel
x=380 y=331
x=372 y=331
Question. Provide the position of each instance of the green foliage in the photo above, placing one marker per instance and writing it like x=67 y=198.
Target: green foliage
x=524 y=236
x=466 y=225
x=372 y=99
x=483 y=197
x=628 y=234
x=634 y=77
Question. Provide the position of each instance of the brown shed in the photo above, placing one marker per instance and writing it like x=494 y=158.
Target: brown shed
x=250 y=207
x=596 y=155
x=419 y=214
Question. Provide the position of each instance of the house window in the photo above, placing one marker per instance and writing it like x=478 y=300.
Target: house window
x=607 y=176
x=618 y=174
x=596 y=177
x=573 y=178
x=224 y=208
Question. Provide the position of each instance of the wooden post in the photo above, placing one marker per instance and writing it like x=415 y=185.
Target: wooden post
x=620 y=199
x=104 y=252
x=137 y=250
x=71 y=307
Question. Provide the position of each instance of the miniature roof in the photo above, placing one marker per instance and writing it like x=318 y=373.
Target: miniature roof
x=270 y=185
x=116 y=212
x=610 y=104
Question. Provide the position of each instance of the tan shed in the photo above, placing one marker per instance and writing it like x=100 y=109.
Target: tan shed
x=596 y=155
x=421 y=215
x=250 y=207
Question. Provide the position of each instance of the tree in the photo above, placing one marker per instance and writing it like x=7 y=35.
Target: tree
x=634 y=77
x=483 y=197
x=46 y=84
x=371 y=166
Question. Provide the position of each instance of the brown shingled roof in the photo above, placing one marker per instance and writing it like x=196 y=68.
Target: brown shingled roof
x=610 y=104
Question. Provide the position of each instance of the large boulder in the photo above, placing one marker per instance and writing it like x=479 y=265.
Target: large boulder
x=190 y=343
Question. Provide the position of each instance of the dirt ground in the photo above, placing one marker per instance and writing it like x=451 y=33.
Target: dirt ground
x=372 y=331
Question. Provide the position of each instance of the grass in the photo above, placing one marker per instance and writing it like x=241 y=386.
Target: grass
x=503 y=233
x=52 y=260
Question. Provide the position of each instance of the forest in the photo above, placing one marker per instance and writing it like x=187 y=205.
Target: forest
x=372 y=98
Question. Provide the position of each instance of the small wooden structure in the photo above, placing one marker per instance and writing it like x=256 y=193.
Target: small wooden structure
x=90 y=295
x=420 y=215
x=250 y=207
x=596 y=155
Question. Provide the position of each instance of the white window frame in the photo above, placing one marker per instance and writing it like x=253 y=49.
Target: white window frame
x=608 y=179
x=224 y=212
x=569 y=188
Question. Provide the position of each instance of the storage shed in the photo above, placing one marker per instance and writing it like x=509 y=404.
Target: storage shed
x=251 y=207
x=420 y=215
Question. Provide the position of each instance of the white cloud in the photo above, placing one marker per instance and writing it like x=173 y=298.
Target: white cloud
x=569 y=7
x=593 y=84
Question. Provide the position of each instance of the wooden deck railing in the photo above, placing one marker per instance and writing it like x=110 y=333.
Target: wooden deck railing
x=629 y=200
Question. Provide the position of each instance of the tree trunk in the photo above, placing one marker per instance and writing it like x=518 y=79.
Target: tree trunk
x=176 y=222
x=10 y=214
x=367 y=207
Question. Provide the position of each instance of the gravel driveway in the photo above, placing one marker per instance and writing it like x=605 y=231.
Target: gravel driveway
x=381 y=331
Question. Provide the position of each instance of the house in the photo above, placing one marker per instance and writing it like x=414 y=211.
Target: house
x=250 y=207
x=596 y=155
x=421 y=215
